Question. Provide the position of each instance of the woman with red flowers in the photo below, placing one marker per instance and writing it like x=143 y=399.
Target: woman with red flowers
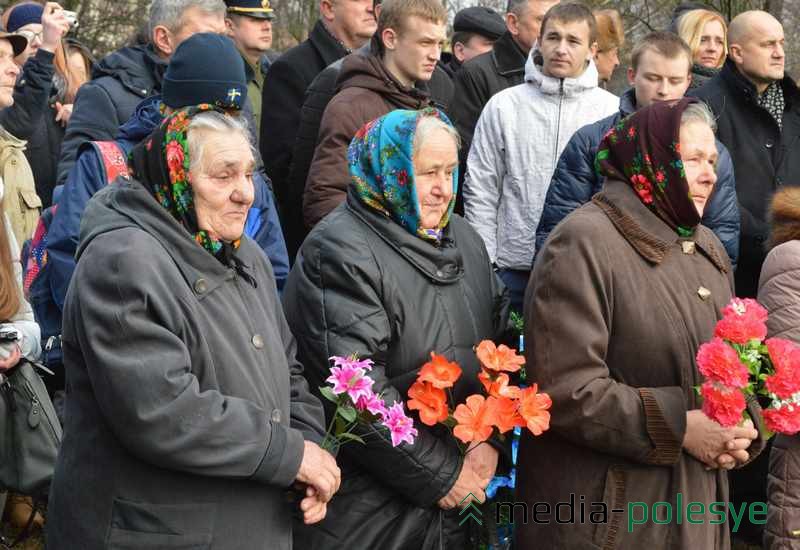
x=779 y=292
x=622 y=295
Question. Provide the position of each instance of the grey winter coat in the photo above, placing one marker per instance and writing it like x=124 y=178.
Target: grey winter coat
x=186 y=410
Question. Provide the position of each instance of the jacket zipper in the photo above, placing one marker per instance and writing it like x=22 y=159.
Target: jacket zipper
x=558 y=123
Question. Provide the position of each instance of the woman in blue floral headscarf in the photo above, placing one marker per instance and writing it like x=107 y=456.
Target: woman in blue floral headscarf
x=392 y=275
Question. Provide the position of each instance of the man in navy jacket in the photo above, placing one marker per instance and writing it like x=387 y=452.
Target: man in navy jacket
x=660 y=71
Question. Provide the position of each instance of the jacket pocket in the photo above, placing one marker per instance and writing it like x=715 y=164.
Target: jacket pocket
x=147 y=526
x=605 y=534
x=29 y=199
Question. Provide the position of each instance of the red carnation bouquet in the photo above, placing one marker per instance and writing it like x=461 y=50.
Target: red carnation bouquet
x=738 y=362
x=503 y=408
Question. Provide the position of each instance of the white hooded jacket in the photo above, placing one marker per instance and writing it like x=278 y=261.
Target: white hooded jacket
x=517 y=142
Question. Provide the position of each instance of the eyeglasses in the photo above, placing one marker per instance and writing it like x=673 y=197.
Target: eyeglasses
x=30 y=36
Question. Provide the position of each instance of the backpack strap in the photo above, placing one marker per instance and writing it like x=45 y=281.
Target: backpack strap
x=114 y=159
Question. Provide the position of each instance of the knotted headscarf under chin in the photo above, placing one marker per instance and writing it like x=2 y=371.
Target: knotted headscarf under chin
x=644 y=151
x=382 y=170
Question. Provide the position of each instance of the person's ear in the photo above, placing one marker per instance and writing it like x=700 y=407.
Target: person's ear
x=326 y=10
x=229 y=26
x=592 y=51
x=512 y=24
x=631 y=76
x=735 y=53
x=389 y=39
x=458 y=51
x=163 y=40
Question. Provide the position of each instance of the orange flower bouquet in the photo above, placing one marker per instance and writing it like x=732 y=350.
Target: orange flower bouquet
x=503 y=408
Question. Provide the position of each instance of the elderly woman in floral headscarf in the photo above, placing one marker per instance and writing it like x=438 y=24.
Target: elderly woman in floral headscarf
x=623 y=294
x=392 y=274
x=187 y=416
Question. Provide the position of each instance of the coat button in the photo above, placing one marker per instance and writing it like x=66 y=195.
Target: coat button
x=704 y=293
x=688 y=247
x=200 y=286
x=769 y=144
x=276 y=415
x=258 y=341
x=439 y=273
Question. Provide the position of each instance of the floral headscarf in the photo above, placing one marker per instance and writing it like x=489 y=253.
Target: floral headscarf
x=382 y=169
x=644 y=151
x=161 y=163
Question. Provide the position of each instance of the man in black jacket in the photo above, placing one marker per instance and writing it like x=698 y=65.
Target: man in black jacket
x=482 y=77
x=125 y=77
x=475 y=30
x=758 y=117
x=343 y=26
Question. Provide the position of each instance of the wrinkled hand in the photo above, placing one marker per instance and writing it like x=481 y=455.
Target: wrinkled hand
x=314 y=509
x=318 y=469
x=468 y=482
x=54 y=26
x=63 y=112
x=708 y=442
x=11 y=360
x=736 y=450
x=482 y=458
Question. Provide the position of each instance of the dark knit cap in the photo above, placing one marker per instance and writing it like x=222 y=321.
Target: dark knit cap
x=480 y=20
x=24 y=14
x=206 y=68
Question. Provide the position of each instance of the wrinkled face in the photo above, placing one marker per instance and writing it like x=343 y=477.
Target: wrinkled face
x=33 y=32
x=525 y=27
x=416 y=49
x=251 y=34
x=658 y=78
x=222 y=182
x=474 y=47
x=435 y=162
x=699 y=156
x=8 y=74
x=606 y=62
x=356 y=18
x=712 y=45
x=565 y=48
x=195 y=20
x=760 y=55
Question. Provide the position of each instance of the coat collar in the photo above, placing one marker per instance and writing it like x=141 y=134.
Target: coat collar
x=569 y=87
x=627 y=102
x=736 y=81
x=508 y=57
x=647 y=234
x=441 y=264
x=326 y=44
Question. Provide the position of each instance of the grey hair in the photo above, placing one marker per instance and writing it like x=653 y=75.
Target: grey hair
x=169 y=13
x=214 y=121
x=517 y=7
x=427 y=125
x=699 y=112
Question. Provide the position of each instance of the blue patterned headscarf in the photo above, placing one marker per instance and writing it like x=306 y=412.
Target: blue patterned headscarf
x=382 y=169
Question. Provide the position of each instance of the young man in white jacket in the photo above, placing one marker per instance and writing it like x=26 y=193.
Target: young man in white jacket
x=520 y=136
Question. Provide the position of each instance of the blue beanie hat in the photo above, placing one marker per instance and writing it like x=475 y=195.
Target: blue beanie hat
x=24 y=15
x=205 y=68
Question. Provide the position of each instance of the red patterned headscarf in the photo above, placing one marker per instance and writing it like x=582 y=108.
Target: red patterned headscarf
x=644 y=151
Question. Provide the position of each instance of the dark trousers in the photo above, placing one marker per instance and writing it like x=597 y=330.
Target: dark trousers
x=516 y=281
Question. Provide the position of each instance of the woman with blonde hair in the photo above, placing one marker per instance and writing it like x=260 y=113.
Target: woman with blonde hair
x=610 y=38
x=706 y=33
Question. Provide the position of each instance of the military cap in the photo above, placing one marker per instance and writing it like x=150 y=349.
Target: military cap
x=260 y=9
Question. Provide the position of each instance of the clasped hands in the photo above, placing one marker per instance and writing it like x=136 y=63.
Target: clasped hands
x=480 y=463
x=320 y=477
x=715 y=445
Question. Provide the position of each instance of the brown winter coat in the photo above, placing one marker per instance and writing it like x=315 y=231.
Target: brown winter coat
x=613 y=320
x=367 y=91
x=779 y=292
